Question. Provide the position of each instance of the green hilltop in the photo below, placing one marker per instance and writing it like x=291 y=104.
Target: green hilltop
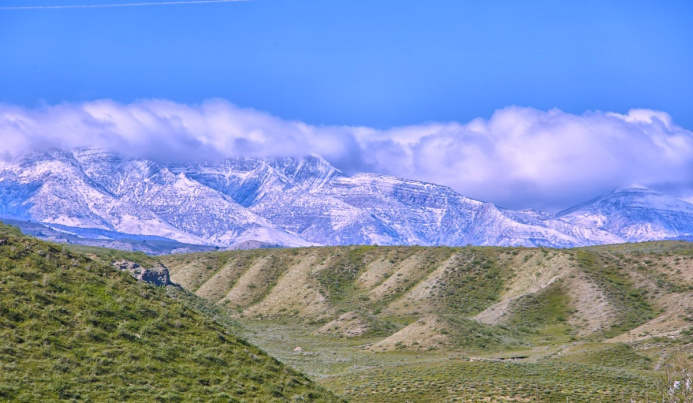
x=74 y=328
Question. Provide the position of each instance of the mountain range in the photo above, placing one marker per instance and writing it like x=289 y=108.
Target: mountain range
x=97 y=197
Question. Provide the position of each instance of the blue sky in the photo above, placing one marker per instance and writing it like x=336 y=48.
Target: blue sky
x=528 y=104
x=374 y=63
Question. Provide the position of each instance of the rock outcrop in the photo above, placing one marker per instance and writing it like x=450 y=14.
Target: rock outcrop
x=157 y=274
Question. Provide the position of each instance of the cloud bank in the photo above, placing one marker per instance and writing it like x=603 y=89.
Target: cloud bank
x=518 y=158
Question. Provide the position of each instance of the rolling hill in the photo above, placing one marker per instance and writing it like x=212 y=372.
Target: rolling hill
x=74 y=328
x=608 y=317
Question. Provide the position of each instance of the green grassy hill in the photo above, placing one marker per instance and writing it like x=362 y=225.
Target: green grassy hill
x=606 y=318
x=73 y=328
x=370 y=323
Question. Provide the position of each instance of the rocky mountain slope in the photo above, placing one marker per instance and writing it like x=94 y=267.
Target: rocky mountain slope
x=74 y=328
x=91 y=195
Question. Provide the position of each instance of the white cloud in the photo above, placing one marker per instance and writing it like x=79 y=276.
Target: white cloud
x=520 y=157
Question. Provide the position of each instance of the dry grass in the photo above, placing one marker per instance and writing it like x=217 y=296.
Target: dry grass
x=218 y=285
x=385 y=306
x=297 y=293
x=250 y=285
x=349 y=324
x=423 y=334
x=418 y=298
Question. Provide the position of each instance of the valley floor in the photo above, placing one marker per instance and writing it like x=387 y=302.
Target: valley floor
x=533 y=374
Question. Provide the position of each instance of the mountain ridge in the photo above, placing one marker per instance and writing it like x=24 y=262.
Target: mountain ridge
x=289 y=201
x=635 y=213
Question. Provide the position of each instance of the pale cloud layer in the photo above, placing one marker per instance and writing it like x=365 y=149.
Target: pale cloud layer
x=519 y=158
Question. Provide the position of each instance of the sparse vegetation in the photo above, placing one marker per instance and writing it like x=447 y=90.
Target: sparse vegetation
x=676 y=381
x=462 y=380
x=370 y=323
x=544 y=315
x=402 y=323
x=472 y=285
x=630 y=301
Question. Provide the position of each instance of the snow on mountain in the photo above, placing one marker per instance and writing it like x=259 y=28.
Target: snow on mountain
x=182 y=202
x=95 y=189
x=379 y=209
x=304 y=201
x=243 y=180
x=634 y=213
x=502 y=227
x=414 y=212
x=52 y=188
x=310 y=173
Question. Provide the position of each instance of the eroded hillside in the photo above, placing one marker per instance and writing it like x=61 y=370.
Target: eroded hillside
x=421 y=298
x=613 y=309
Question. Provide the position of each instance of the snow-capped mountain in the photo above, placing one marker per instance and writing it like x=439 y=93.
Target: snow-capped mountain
x=52 y=188
x=95 y=189
x=302 y=201
x=635 y=214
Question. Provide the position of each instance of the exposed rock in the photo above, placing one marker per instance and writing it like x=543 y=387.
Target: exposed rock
x=157 y=274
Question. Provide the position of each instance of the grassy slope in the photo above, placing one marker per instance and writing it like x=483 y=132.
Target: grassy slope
x=73 y=328
x=612 y=311
x=462 y=380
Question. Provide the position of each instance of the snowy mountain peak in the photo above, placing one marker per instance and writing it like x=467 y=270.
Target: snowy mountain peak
x=303 y=201
x=51 y=154
x=308 y=172
x=635 y=214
